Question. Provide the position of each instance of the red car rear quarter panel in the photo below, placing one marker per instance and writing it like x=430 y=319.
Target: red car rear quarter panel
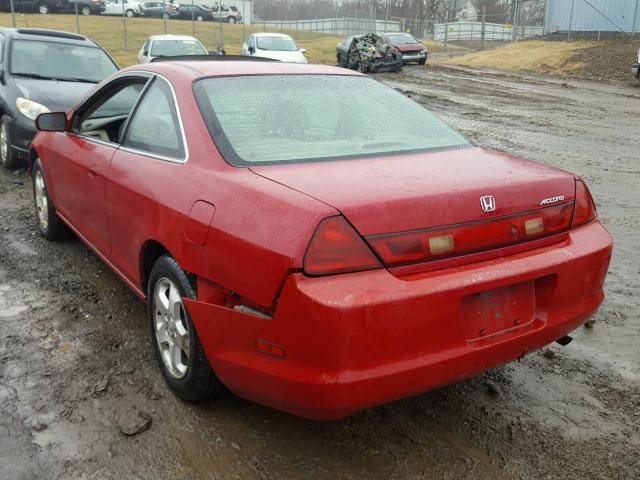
x=260 y=230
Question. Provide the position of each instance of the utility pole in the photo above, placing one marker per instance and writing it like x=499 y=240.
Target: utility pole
x=514 y=27
x=193 y=19
x=570 y=21
x=77 y=18
x=13 y=14
x=484 y=12
x=124 y=26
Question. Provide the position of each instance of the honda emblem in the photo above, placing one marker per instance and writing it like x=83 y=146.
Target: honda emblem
x=488 y=203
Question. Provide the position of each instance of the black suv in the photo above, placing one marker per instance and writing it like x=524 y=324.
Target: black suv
x=42 y=70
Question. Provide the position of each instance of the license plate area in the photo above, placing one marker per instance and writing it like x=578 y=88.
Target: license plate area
x=486 y=314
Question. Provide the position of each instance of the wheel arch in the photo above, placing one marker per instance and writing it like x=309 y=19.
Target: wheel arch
x=150 y=252
x=32 y=157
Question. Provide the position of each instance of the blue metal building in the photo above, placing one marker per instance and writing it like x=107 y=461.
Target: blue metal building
x=592 y=16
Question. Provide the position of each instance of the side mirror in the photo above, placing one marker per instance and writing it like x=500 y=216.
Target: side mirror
x=2 y=75
x=52 y=122
x=145 y=53
x=252 y=50
x=303 y=50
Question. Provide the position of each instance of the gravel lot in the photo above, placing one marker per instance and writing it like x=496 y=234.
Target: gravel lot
x=77 y=370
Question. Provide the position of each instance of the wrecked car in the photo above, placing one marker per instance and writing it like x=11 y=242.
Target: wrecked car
x=368 y=53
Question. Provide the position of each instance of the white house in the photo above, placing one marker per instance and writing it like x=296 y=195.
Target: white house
x=469 y=12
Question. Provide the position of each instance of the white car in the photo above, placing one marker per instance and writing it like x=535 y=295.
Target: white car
x=277 y=46
x=118 y=7
x=170 y=46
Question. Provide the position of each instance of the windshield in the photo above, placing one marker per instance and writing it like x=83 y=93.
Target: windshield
x=296 y=118
x=401 y=39
x=173 y=48
x=282 y=44
x=60 y=61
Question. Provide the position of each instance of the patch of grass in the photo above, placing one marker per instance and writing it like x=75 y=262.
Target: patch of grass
x=436 y=47
x=109 y=32
x=532 y=55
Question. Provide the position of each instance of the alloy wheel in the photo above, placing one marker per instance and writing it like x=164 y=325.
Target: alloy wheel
x=171 y=328
x=42 y=202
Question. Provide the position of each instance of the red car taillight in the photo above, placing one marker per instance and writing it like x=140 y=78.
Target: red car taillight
x=585 y=210
x=455 y=240
x=337 y=248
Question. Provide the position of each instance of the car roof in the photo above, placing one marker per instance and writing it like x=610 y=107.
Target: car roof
x=193 y=70
x=268 y=34
x=47 y=35
x=173 y=37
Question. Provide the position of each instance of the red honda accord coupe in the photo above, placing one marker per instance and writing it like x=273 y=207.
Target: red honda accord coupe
x=311 y=239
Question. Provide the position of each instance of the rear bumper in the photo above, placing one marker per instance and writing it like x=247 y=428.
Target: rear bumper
x=357 y=340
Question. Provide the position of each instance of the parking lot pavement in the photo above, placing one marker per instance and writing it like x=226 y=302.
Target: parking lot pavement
x=81 y=396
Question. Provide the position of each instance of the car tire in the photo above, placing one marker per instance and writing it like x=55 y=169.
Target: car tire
x=166 y=16
x=231 y=20
x=86 y=11
x=183 y=362
x=422 y=62
x=49 y=224
x=130 y=13
x=200 y=18
x=8 y=157
x=43 y=8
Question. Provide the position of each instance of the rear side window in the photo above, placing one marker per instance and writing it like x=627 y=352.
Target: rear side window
x=155 y=127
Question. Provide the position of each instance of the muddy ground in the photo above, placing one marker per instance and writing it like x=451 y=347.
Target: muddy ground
x=77 y=370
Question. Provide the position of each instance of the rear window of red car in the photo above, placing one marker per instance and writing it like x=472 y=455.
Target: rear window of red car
x=301 y=118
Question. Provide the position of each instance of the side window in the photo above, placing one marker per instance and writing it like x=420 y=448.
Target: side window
x=104 y=116
x=154 y=127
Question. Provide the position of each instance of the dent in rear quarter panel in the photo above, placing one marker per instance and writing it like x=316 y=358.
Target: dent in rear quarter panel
x=259 y=232
x=258 y=235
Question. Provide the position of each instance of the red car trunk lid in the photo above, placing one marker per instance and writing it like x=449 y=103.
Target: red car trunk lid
x=410 y=192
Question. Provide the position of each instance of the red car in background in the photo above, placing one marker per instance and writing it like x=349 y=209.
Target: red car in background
x=406 y=44
x=309 y=248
